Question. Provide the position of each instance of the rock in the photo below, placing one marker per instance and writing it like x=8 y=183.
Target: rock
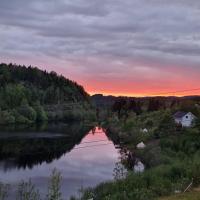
x=141 y=145
x=145 y=130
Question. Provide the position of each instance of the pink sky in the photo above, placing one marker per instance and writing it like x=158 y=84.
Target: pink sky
x=130 y=79
x=109 y=47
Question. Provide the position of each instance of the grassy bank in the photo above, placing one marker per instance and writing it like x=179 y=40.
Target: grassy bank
x=171 y=157
x=187 y=196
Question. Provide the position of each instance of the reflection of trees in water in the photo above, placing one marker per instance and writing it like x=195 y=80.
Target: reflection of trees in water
x=23 y=151
x=93 y=130
x=127 y=158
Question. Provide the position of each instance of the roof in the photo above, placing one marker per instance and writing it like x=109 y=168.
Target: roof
x=179 y=114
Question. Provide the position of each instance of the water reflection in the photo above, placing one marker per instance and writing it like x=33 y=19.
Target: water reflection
x=85 y=158
x=25 y=149
x=129 y=158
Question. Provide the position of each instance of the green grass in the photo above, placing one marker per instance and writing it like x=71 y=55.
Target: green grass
x=187 y=196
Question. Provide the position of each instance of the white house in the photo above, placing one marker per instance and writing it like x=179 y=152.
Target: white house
x=184 y=118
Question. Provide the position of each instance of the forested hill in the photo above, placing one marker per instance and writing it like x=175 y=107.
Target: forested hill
x=48 y=88
x=25 y=89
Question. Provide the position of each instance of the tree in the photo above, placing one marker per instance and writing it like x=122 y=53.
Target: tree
x=167 y=126
x=118 y=106
x=197 y=123
x=27 y=191
x=40 y=113
x=54 y=192
x=6 y=117
x=153 y=105
x=28 y=112
x=21 y=87
x=135 y=107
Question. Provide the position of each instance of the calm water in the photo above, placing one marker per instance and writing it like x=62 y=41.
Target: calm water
x=84 y=157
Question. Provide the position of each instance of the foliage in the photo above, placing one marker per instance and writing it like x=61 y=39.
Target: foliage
x=4 y=189
x=171 y=157
x=166 y=127
x=54 y=186
x=28 y=112
x=187 y=196
x=27 y=191
x=6 y=117
x=27 y=93
x=40 y=113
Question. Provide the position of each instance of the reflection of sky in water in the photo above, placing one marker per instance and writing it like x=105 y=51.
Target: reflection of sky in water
x=81 y=167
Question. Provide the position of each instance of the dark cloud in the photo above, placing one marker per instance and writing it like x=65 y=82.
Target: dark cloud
x=102 y=36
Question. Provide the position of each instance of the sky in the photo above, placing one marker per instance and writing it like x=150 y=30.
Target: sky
x=118 y=47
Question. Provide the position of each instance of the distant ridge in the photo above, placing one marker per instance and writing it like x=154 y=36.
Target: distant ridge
x=100 y=100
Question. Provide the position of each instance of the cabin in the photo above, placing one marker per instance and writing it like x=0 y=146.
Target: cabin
x=185 y=119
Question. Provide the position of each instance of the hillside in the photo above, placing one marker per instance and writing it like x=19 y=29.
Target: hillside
x=28 y=94
x=144 y=103
x=100 y=100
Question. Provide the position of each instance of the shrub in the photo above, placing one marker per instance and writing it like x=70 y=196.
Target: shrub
x=41 y=114
x=27 y=191
x=28 y=112
x=4 y=189
x=54 y=186
x=6 y=117
x=20 y=118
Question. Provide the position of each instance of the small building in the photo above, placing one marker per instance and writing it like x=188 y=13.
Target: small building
x=185 y=119
x=141 y=145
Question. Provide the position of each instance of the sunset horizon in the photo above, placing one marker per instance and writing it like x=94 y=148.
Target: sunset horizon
x=114 y=90
x=99 y=99
x=108 y=47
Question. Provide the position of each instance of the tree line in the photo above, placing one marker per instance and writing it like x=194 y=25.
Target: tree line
x=25 y=91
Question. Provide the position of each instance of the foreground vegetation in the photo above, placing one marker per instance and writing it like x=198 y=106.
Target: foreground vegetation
x=186 y=196
x=29 y=95
x=28 y=191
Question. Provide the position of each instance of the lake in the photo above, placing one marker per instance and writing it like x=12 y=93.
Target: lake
x=84 y=156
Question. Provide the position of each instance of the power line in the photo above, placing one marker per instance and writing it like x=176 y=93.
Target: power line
x=178 y=91
x=93 y=141
x=92 y=146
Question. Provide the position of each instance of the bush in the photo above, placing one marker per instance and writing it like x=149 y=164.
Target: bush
x=28 y=112
x=41 y=114
x=27 y=191
x=4 y=189
x=20 y=119
x=54 y=186
x=6 y=117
